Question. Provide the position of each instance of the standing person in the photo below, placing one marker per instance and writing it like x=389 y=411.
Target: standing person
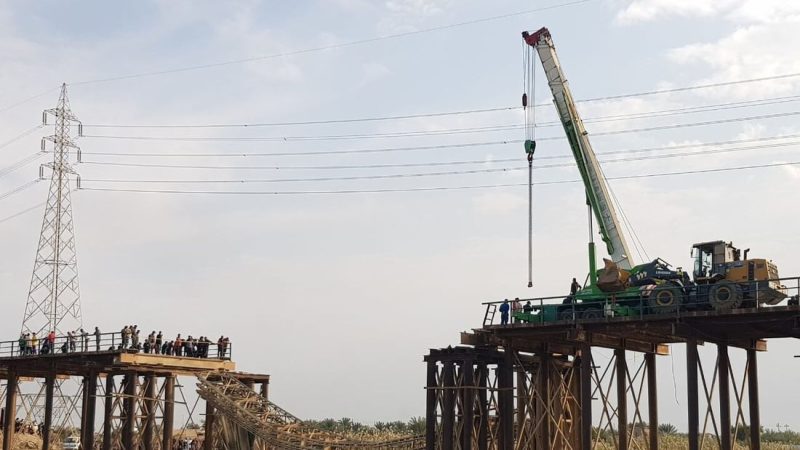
x=126 y=335
x=34 y=343
x=225 y=343
x=574 y=287
x=71 y=340
x=159 y=342
x=151 y=340
x=97 y=338
x=135 y=337
x=515 y=308
x=178 y=346
x=51 y=339
x=504 y=312
x=23 y=344
x=84 y=340
x=220 y=350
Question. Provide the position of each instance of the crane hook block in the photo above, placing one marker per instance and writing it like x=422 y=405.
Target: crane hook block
x=524 y=99
x=530 y=147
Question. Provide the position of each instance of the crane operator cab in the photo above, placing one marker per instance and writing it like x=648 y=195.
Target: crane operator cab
x=731 y=280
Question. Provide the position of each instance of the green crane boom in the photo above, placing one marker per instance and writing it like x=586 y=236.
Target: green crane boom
x=597 y=191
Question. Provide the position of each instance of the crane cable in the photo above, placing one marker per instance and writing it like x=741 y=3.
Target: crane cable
x=529 y=85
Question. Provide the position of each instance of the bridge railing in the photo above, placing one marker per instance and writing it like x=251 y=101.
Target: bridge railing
x=650 y=301
x=103 y=342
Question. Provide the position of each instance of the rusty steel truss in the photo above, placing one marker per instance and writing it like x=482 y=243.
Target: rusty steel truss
x=238 y=418
x=537 y=386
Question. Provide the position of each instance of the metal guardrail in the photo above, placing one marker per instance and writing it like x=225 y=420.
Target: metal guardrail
x=569 y=309
x=104 y=342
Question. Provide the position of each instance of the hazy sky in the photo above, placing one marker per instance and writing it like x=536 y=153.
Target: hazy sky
x=338 y=296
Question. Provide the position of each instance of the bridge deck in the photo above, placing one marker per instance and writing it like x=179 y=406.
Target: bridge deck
x=112 y=361
x=746 y=328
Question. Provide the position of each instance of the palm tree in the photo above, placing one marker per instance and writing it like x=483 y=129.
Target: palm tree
x=417 y=425
x=667 y=428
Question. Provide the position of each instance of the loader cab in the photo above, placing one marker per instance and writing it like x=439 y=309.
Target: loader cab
x=711 y=260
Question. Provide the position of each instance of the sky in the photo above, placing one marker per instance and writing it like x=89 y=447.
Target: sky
x=339 y=295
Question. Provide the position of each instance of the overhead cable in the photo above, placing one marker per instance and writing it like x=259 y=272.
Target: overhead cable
x=643 y=114
x=457 y=163
x=430 y=147
x=20 y=136
x=421 y=133
x=434 y=188
x=24 y=211
x=327 y=47
x=18 y=189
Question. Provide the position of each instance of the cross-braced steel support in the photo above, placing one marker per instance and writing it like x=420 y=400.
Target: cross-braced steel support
x=490 y=399
x=723 y=400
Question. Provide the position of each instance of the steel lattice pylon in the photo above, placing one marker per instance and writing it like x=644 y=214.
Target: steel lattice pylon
x=54 y=296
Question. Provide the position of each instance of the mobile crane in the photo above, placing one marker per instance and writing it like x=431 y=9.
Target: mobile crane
x=722 y=280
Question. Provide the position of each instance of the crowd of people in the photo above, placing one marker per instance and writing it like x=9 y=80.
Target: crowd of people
x=30 y=344
x=156 y=344
x=129 y=338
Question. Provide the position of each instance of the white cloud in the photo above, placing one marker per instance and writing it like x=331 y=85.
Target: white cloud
x=649 y=10
x=419 y=8
x=752 y=51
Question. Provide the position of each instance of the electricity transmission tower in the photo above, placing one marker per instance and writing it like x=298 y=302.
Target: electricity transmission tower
x=54 y=296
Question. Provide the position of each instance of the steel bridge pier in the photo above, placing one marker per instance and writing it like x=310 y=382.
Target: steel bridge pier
x=136 y=391
x=543 y=386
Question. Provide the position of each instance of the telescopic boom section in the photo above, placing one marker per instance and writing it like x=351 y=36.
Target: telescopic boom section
x=596 y=189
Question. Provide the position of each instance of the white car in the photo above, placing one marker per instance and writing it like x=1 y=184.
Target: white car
x=71 y=443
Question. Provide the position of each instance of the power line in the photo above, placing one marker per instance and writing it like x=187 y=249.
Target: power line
x=311 y=122
x=423 y=174
x=426 y=147
x=20 y=136
x=332 y=167
x=318 y=179
x=323 y=152
x=658 y=113
x=463 y=162
x=423 y=133
x=327 y=47
x=24 y=211
x=28 y=99
x=434 y=188
x=18 y=189
x=697 y=86
x=19 y=164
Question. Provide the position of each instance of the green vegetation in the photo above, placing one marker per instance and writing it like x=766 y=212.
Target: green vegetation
x=414 y=426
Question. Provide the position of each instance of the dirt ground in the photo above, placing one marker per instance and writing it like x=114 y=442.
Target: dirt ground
x=28 y=442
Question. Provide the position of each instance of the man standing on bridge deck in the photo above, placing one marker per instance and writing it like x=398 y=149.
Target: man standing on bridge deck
x=574 y=287
x=126 y=334
x=84 y=340
x=504 y=312
x=159 y=342
x=97 y=337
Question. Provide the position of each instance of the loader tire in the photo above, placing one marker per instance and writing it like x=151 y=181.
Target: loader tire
x=592 y=313
x=725 y=296
x=665 y=299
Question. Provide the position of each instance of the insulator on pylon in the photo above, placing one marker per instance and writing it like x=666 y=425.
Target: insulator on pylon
x=78 y=181
x=79 y=155
x=80 y=129
x=44 y=145
x=524 y=100
x=44 y=118
x=41 y=172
